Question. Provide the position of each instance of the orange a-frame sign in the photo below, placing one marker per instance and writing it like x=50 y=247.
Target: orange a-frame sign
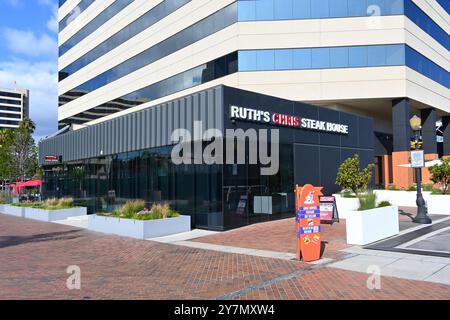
x=307 y=208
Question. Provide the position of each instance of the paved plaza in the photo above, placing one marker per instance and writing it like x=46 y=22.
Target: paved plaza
x=35 y=256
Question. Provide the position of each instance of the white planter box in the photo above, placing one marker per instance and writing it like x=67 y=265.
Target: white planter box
x=54 y=215
x=364 y=227
x=345 y=206
x=139 y=229
x=438 y=204
x=12 y=210
x=400 y=198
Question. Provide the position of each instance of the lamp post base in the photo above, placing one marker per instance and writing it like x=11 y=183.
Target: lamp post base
x=422 y=214
x=422 y=220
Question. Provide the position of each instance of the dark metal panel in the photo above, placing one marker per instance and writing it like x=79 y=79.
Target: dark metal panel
x=203 y=113
x=153 y=128
x=189 y=114
x=164 y=139
x=219 y=108
x=148 y=128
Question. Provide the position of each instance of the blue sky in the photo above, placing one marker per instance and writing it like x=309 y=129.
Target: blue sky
x=28 y=55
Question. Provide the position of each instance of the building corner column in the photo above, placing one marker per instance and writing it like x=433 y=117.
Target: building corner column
x=429 y=118
x=446 y=135
x=403 y=177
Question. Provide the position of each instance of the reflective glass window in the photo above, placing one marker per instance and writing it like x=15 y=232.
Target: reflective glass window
x=283 y=59
x=376 y=56
x=320 y=9
x=247 y=60
x=395 y=55
x=339 y=57
x=320 y=58
x=283 y=9
x=357 y=8
x=338 y=8
x=265 y=59
x=168 y=46
x=302 y=58
x=357 y=56
x=247 y=10
x=302 y=9
x=264 y=10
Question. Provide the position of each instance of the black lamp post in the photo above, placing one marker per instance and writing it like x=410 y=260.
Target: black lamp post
x=422 y=211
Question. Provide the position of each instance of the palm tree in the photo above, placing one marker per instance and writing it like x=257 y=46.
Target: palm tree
x=4 y=136
x=27 y=124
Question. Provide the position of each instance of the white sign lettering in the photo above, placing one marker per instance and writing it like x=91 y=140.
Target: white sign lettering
x=241 y=113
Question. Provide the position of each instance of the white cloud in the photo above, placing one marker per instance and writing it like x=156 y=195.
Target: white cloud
x=41 y=79
x=28 y=43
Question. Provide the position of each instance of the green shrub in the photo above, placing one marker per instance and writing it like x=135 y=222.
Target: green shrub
x=347 y=194
x=132 y=207
x=65 y=202
x=350 y=177
x=440 y=174
x=412 y=188
x=393 y=187
x=52 y=202
x=135 y=209
x=428 y=187
x=383 y=204
x=368 y=201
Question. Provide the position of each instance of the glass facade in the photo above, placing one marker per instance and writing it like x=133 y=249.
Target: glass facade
x=416 y=15
x=10 y=115
x=14 y=102
x=207 y=72
x=149 y=18
x=216 y=22
x=268 y=10
x=257 y=10
x=10 y=95
x=342 y=57
x=209 y=193
x=445 y=4
x=83 y=5
x=93 y=25
x=9 y=122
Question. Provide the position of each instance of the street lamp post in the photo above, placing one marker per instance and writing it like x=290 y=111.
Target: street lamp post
x=422 y=211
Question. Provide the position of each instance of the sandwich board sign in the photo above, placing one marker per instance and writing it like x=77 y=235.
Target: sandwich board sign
x=307 y=206
x=328 y=210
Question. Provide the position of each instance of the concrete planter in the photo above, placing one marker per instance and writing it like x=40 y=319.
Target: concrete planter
x=400 y=198
x=139 y=229
x=438 y=204
x=364 y=227
x=54 y=215
x=346 y=206
x=12 y=210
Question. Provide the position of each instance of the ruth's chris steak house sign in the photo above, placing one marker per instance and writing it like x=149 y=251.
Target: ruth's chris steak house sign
x=247 y=114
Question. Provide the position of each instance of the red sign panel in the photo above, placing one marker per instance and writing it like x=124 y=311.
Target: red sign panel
x=307 y=206
x=52 y=158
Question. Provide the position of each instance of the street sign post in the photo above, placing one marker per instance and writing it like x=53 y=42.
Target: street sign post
x=417 y=159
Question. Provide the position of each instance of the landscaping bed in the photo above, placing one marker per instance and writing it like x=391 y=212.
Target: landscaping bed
x=49 y=210
x=134 y=220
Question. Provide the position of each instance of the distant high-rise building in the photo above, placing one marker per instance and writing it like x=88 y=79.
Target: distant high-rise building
x=14 y=107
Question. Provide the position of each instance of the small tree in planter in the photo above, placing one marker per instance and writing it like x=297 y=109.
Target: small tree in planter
x=440 y=174
x=350 y=177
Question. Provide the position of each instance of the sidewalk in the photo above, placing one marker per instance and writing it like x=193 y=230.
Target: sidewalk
x=34 y=257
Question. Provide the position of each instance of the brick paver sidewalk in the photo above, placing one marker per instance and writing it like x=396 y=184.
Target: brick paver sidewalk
x=34 y=257
x=280 y=236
